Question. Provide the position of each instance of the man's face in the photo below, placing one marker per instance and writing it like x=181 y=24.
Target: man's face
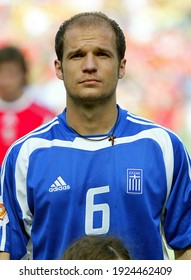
x=12 y=79
x=90 y=67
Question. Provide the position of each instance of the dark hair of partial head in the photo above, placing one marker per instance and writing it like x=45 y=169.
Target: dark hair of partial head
x=85 y=19
x=13 y=54
x=96 y=248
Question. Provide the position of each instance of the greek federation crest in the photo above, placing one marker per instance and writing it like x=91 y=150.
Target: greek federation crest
x=134 y=181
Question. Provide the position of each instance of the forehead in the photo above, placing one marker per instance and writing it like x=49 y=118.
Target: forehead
x=92 y=34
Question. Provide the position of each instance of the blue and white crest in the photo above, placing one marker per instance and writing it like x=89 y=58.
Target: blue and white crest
x=135 y=181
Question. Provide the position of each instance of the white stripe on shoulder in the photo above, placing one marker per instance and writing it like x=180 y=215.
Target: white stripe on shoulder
x=41 y=129
x=144 y=121
x=188 y=161
x=140 y=120
x=136 y=117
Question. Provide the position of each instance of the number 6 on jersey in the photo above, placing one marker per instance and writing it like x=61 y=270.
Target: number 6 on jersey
x=91 y=208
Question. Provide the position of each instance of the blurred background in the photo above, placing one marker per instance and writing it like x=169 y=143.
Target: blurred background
x=157 y=84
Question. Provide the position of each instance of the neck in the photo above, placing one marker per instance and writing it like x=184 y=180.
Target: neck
x=92 y=121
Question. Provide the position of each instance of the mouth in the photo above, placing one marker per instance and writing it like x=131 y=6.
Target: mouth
x=89 y=81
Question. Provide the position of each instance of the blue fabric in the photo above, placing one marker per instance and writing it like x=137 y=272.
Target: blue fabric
x=58 y=187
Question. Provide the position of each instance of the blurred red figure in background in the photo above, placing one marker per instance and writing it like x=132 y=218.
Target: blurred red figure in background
x=19 y=113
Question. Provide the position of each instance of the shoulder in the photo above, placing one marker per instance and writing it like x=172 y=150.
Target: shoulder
x=136 y=124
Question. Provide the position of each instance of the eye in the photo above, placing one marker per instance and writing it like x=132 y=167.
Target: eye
x=76 y=56
x=102 y=54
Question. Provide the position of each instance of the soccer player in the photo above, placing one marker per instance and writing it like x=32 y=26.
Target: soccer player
x=19 y=113
x=96 y=247
x=95 y=169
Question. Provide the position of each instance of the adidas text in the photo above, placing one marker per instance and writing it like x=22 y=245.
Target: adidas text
x=59 y=188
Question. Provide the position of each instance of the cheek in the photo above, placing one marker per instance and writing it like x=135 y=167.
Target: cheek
x=111 y=77
x=69 y=72
x=111 y=69
x=69 y=81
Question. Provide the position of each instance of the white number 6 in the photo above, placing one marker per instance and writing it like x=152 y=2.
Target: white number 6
x=91 y=208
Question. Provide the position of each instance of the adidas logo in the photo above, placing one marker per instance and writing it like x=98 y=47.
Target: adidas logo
x=59 y=185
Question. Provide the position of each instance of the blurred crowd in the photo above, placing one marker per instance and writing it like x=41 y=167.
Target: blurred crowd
x=157 y=84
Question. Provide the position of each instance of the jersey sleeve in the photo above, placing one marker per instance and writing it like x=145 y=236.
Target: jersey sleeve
x=13 y=237
x=177 y=221
x=4 y=242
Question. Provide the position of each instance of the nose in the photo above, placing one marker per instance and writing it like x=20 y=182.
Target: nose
x=89 y=63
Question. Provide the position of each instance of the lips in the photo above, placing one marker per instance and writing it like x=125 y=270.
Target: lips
x=90 y=80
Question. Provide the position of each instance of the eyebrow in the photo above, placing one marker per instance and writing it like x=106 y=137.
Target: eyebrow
x=97 y=49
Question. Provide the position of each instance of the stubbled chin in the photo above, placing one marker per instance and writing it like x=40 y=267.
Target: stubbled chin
x=93 y=99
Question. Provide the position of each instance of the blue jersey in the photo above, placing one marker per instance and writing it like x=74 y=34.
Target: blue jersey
x=58 y=186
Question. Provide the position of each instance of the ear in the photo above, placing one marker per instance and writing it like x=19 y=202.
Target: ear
x=122 y=68
x=58 y=69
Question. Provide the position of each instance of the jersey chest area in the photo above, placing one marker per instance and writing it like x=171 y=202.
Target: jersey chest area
x=96 y=192
x=128 y=171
